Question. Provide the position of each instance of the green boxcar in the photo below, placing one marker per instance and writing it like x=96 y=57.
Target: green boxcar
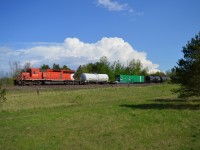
x=129 y=79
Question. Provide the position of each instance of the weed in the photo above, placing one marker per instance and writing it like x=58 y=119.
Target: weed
x=3 y=92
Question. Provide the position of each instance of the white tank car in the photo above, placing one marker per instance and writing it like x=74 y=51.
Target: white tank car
x=88 y=77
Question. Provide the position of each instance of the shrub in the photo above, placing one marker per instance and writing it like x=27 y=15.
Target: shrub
x=3 y=92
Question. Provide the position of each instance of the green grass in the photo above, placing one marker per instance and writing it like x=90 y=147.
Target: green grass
x=108 y=118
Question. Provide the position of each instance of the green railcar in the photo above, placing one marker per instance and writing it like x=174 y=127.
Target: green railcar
x=129 y=79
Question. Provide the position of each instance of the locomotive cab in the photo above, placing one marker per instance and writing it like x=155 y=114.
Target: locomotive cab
x=35 y=73
x=30 y=76
x=32 y=73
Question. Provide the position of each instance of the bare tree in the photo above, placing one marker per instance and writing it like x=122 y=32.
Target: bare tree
x=14 y=68
x=27 y=66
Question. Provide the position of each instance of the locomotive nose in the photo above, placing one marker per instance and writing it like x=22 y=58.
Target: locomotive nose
x=72 y=76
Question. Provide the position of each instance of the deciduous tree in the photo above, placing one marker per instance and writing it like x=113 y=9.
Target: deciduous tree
x=27 y=66
x=15 y=68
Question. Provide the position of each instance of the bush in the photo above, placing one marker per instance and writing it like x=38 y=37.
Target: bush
x=3 y=92
x=6 y=81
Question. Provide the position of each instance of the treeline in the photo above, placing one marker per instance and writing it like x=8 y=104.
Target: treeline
x=134 y=67
x=55 y=67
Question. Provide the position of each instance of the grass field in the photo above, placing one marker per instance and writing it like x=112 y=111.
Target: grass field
x=108 y=118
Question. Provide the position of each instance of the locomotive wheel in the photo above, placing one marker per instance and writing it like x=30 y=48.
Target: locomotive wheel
x=23 y=83
x=39 y=83
x=19 y=83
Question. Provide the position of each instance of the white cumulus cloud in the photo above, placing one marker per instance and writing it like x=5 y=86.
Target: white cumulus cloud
x=74 y=52
x=113 y=5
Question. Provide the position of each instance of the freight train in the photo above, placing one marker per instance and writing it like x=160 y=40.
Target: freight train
x=34 y=76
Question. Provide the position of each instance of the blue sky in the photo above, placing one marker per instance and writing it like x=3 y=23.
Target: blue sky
x=75 y=32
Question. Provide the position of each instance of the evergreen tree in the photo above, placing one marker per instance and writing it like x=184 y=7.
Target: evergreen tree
x=65 y=67
x=44 y=67
x=56 y=67
x=188 y=69
x=78 y=73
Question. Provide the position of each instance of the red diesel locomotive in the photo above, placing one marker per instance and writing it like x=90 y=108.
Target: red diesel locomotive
x=36 y=77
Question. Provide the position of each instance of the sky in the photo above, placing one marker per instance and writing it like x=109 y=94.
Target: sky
x=76 y=32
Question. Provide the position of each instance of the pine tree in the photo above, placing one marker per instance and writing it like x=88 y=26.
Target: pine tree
x=44 y=67
x=188 y=70
x=56 y=67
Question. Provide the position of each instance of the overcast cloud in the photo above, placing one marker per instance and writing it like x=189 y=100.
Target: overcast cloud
x=73 y=52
